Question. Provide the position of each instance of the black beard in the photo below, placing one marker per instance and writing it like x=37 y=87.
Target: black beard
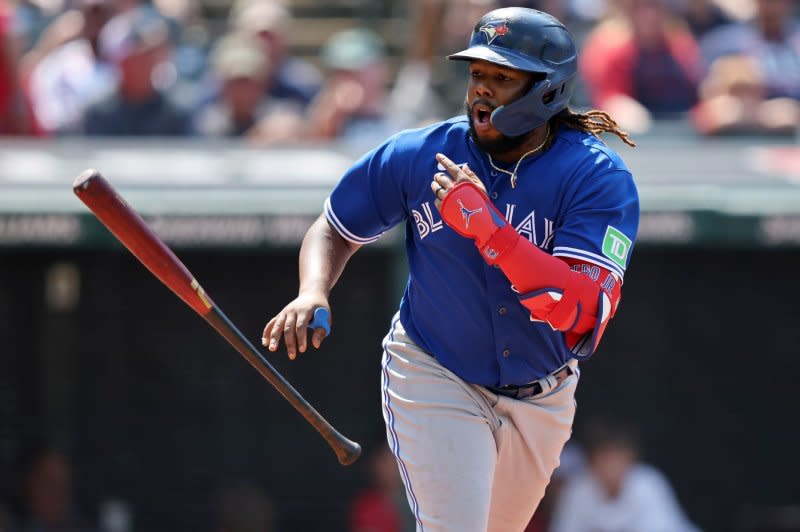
x=498 y=146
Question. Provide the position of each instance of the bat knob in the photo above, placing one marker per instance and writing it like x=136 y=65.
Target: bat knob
x=321 y=320
x=349 y=452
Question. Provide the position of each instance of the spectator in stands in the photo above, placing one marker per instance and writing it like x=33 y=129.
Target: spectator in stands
x=31 y=17
x=244 y=507
x=351 y=104
x=733 y=99
x=771 y=39
x=47 y=494
x=14 y=115
x=703 y=16
x=192 y=39
x=292 y=79
x=415 y=100
x=617 y=491
x=64 y=73
x=241 y=66
x=137 y=44
x=641 y=64
x=382 y=506
x=351 y=107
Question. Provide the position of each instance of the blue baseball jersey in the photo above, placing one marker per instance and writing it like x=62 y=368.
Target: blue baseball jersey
x=577 y=199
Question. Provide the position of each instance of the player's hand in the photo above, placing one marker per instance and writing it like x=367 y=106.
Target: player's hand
x=443 y=182
x=291 y=323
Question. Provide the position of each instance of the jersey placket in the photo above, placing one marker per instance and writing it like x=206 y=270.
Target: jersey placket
x=499 y=309
x=499 y=301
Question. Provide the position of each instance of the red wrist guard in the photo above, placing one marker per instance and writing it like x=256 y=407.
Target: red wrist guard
x=467 y=210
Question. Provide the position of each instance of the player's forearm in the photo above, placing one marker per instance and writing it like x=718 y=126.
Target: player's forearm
x=323 y=256
x=532 y=271
x=569 y=301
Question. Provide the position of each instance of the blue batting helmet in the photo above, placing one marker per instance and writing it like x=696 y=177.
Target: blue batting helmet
x=533 y=41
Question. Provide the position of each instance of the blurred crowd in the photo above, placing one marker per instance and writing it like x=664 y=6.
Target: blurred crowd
x=169 y=68
x=131 y=68
x=602 y=485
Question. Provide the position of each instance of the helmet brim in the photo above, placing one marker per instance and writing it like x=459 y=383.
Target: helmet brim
x=501 y=56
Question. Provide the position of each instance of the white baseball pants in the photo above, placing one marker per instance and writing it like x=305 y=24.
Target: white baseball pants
x=470 y=460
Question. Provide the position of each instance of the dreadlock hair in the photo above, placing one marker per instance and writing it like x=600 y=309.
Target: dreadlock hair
x=594 y=122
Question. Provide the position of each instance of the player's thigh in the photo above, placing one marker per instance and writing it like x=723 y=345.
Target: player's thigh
x=529 y=444
x=440 y=430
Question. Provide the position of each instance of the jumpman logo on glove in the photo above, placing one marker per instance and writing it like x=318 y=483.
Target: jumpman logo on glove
x=467 y=214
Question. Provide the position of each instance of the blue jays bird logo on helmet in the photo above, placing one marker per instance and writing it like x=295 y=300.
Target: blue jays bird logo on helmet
x=494 y=30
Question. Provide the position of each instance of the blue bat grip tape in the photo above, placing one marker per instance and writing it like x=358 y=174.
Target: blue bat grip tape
x=321 y=316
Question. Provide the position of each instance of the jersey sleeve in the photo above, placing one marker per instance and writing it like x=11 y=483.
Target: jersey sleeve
x=600 y=222
x=369 y=199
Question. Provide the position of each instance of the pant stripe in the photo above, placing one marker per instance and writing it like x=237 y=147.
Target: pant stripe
x=390 y=425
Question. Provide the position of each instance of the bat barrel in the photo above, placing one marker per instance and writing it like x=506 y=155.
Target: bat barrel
x=133 y=232
x=129 y=228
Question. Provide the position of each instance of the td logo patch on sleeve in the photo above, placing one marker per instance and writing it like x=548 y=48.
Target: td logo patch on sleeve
x=616 y=246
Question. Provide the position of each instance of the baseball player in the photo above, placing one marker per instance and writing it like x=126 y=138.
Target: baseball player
x=519 y=227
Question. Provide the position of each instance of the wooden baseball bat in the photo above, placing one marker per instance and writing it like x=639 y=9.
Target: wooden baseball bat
x=129 y=228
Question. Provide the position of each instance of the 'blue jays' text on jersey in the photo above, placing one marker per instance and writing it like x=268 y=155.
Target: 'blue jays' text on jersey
x=577 y=200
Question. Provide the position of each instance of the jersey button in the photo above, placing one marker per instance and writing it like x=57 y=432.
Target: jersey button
x=493 y=172
x=506 y=352
x=502 y=311
x=495 y=195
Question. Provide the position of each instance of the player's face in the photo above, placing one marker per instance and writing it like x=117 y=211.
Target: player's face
x=491 y=86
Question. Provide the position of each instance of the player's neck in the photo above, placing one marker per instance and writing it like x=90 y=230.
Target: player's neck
x=533 y=140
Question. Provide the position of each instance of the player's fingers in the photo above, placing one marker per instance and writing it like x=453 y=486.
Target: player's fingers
x=274 y=331
x=443 y=180
x=300 y=328
x=266 y=331
x=472 y=176
x=318 y=337
x=451 y=167
x=438 y=189
x=289 y=335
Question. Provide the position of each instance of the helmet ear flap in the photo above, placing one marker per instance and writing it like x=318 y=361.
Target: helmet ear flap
x=532 y=109
x=524 y=114
x=555 y=93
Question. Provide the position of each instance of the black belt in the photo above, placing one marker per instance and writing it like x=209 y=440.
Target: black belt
x=531 y=389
